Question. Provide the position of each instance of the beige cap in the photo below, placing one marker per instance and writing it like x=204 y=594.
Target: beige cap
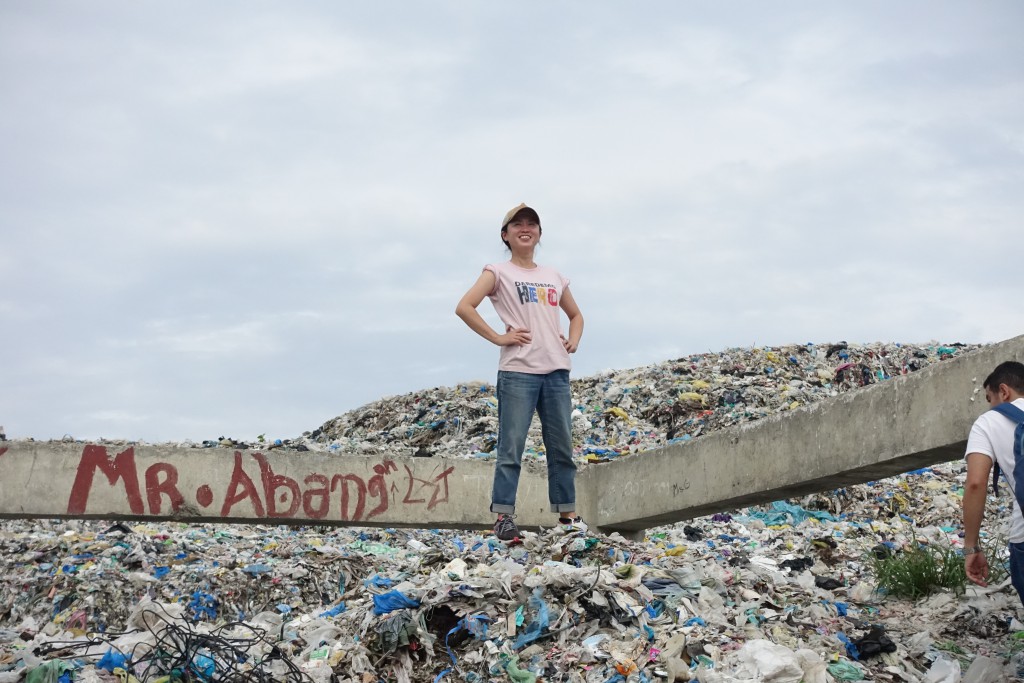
x=512 y=214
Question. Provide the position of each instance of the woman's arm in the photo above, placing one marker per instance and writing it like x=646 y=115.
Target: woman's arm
x=467 y=311
x=568 y=305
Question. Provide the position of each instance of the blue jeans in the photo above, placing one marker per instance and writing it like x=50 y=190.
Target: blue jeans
x=519 y=395
x=1017 y=568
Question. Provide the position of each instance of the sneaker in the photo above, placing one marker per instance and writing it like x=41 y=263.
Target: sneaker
x=505 y=528
x=573 y=525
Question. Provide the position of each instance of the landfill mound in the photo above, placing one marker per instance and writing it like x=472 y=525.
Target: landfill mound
x=780 y=592
x=634 y=410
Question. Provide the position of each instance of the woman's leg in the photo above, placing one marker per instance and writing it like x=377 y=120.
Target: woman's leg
x=554 y=406
x=517 y=400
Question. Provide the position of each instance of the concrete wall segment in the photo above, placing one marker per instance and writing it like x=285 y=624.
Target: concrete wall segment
x=894 y=426
x=108 y=481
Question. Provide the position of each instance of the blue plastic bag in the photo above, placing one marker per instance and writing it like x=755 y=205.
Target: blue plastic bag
x=112 y=660
x=539 y=625
x=392 y=600
x=334 y=611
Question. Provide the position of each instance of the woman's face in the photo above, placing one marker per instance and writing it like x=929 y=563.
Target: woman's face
x=523 y=232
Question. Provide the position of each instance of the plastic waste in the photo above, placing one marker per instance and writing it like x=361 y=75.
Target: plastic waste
x=539 y=624
x=519 y=675
x=49 y=672
x=392 y=600
x=333 y=611
x=845 y=671
x=766 y=661
x=984 y=670
x=112 y=660
x=944 y=669
x=815 y=669
x=874 y=643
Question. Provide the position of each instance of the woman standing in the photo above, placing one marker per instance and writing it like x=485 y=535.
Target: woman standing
x=533 y=372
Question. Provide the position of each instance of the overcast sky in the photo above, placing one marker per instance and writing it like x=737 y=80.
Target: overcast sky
x=243 y=218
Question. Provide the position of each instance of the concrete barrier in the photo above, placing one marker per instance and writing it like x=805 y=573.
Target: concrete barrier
x=895 y=426
x=104 y=481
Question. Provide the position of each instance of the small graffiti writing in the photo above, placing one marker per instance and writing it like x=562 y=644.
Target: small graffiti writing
x=679 y=488
x=437 y=486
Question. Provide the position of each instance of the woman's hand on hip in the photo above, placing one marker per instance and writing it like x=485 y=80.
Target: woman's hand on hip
x=514 y=336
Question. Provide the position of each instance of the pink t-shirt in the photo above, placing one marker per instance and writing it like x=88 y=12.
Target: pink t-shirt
x=529 y=298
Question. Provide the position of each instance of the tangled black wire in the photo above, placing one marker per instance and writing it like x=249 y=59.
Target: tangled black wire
x=182 y=653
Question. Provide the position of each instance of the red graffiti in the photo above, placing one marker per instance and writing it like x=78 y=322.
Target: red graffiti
x=438 y=489
x=122 y=468
x=271 y=483
x=271 y=495
x=240 y=479
x=167 y=487
x=3 y=450
x=323 y=493
x=343 y=480
x=378 y=487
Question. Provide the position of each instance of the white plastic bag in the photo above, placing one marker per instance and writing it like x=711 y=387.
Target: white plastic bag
x=944 y=670
x=766 y=661
x=984 y=670
x=815 y=668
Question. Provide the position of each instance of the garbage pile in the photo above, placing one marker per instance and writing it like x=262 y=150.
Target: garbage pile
x=780 y=592
x=629 y=411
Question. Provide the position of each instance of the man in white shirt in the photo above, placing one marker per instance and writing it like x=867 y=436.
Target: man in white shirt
x=991 y=440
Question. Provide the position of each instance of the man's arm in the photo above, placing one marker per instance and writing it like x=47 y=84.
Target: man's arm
x=975 y=492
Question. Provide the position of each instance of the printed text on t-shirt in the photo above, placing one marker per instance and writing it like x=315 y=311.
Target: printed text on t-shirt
x=533 y=292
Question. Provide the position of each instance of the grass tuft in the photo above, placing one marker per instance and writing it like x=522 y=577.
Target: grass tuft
x=920 y=571
x=924 y=570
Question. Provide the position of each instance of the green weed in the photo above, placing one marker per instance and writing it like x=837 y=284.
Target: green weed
x=1016 y=643
x=924 y=570
x=920 y=571
x=997 y=552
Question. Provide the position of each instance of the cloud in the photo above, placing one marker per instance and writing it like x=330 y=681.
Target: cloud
x=226 y=219
x=247 y=339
